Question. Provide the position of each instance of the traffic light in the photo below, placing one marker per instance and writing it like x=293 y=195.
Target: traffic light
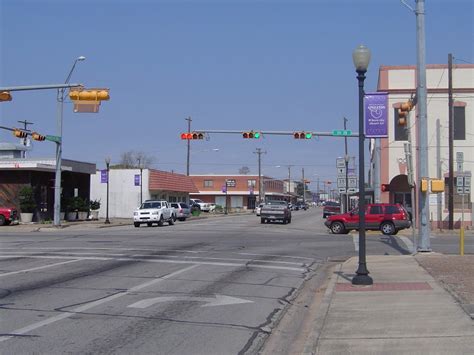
x=192 y=135
x=303 y=135
x=37 y=137
x=5 y=96
x=403 y=111
x=19 y=133
x=385 y=187
x=79 y=94
x=251 y=135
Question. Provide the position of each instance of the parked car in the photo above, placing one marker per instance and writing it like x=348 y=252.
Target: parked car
x=203 y=206
x=258 y=209
x=331 y=208
x=301 y=206
x=275 y=211
x=182 y=210
x=8 y=215
x=154 y=211
x=388 y=218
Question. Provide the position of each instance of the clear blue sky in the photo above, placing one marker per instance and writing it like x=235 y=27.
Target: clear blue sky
x=231 y=65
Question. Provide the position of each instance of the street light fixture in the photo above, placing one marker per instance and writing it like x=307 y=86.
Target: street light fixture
x=59 y=123
x=107 y=164
x=361 y=58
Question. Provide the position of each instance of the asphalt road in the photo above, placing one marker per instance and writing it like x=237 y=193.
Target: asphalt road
x=210 y=286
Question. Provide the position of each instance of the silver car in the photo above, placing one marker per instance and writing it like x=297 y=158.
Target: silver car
x=182 y=210
x=258 y=209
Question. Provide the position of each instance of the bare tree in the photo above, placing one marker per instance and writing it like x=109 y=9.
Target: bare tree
x=244 y=170
x=132 y=159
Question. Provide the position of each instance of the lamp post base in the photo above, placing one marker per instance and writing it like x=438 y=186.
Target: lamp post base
x=362 y=279
x=107 y=221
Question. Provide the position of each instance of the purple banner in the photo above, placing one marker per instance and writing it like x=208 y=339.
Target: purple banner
x=224 y=188
x=103 y=176
x=137 y=180
x=376 y=104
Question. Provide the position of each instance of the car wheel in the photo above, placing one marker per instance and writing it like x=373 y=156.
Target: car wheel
x=289 y=221
x=285 y=221
x=160 y=222
x=337 y=228
x=171 y=220
x=396 y=231
x=149 y=224
x=136 y=224
x=262 y=220
x=387 y=228
x=324 y=216
x=2 y=220
x=182 y=219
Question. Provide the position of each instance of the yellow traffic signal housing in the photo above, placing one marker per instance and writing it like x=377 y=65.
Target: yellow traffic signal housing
x=19 y=133
x=5 y=96
x=37 y=137
x=424 y=185
x=437 y=186
x=89 y=95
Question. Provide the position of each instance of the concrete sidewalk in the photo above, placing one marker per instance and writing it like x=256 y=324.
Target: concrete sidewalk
x=405 y=311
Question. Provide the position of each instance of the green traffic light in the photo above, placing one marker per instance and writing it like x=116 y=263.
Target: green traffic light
x=308 y=135
x=256 y=135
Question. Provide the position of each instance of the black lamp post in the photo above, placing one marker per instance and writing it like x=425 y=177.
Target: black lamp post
x=107 y=163
x=361 y=58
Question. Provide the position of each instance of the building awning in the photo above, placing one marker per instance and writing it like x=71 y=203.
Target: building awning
x=48 y=165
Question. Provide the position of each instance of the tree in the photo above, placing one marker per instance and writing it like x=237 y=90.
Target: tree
x=132 y=160
x=244 y=170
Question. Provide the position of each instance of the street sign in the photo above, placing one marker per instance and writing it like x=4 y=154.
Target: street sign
x=459 y=189
x=230 y=183
x=467 y=189
x=341 y=172
x=341 y=132
x=459 y=161
x=340 y=163
x=352 y=182
x=459 y=181
x=341 y=190
x=341 y=182
x=56 y=139
x=351 y=190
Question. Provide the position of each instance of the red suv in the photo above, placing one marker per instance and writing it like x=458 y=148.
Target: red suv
x=8 y=215
x=388 y=218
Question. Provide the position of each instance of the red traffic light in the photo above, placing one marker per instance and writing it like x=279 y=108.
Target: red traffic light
x=303 y=135
x=385 y=187
x=251 y=135
x=192 y=135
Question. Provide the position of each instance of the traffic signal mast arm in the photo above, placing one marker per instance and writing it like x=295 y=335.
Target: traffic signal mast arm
x=280 y=133
x=21 y=133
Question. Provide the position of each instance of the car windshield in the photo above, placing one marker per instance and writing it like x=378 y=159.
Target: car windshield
x=278 y=203
x=332 y=204
x=151 y=204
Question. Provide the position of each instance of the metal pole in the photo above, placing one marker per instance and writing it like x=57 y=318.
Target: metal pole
x=189 y=146
x=226 y=187
x=424 y=207
x=439 y=198
x=289 y=183
x=451 y=141
x=346 y=160
x=107 y=163
x=362 y=277
x=377 y=191
x=304 y=186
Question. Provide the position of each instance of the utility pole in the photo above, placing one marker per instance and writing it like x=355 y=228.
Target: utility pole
x=440 y=173
x=141 y=178
x=451 y=140
x=260 y=185
x=25 y=140
x=289 y=183
x=189 y=145
x=304 y=186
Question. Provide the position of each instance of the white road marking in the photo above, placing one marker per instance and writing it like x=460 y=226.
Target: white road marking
x=90 y=305
x=111 y=248
x=218 y=300
x=281 y=256
x=355 y=239
x=157 y=260
x=38 y=268
x=408 y=243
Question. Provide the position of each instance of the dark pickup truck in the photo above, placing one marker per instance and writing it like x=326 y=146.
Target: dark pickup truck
x=275 y=211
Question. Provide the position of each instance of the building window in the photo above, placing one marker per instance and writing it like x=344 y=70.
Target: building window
x=401 y=133
x=251 y=183
x=173 y=199
x=459 y=123
x=208 y=183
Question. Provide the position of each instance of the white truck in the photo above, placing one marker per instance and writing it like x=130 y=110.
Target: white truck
x=154 y=211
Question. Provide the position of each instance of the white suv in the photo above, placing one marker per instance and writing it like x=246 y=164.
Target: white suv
x=205 y=207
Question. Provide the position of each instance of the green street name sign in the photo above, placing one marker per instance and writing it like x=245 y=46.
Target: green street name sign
x=56 y=139
x=341 y=132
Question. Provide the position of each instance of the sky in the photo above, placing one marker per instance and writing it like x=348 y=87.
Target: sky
x=228 y=64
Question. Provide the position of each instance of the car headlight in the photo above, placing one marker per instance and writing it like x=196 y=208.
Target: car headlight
x=155 y=213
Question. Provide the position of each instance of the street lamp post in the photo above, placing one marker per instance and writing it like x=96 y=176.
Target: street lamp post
x=57 y=177
x=361 y=58
x=107 y=163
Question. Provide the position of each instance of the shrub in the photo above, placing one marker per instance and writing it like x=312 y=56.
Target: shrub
x=27 y=200
x=95 y=204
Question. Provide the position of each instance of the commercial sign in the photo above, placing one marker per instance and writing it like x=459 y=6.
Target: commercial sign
x=137 y=180
x=375 y=105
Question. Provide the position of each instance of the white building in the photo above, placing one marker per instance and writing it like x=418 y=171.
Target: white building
x=400 y=83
